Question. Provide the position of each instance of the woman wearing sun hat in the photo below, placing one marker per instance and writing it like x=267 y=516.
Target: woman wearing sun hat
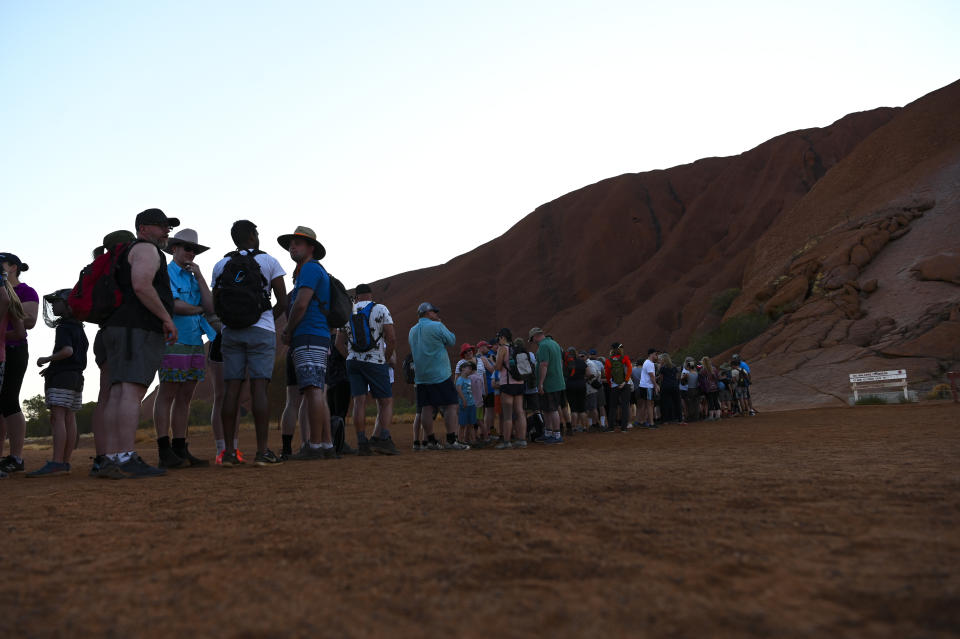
x=184 y=363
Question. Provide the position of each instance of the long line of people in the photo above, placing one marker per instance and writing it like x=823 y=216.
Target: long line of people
x=154 y=316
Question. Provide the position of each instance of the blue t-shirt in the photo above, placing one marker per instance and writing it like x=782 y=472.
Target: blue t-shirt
x=466 y=388
x=314 y=322
x=428 y=341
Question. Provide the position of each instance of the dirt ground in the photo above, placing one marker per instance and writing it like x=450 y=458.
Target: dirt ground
x=828 y=522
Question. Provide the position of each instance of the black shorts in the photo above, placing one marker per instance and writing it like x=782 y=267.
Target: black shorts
x=512 y=389
x=437 y=395
x=551 y=401
x=531 y=402
x=578 y=399
x=216 y=354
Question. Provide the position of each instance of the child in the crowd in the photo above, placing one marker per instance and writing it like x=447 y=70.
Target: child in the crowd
x=477 y=387
x=468 y=407
x=63 y=383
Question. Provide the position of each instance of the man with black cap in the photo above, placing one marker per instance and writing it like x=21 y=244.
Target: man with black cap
x=134 y=339
x=429 y=340
x=248 y=348
x=308 y=334
x=371 y=341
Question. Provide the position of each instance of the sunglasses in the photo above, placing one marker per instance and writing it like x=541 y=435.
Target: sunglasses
x=190 y=248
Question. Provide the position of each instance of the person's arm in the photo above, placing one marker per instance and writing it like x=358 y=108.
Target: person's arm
x=30 y=310
x=447 y=338
x=65 y=352
x=206 y=297
x=304 y=295
x=463 y=398
x=280 y=292
x=628 y=369
x=501 y=358
x=390 y=338
x=653 y=377
x=544 y=365
x=144 y=263
x=341 y=342
x=606 y=371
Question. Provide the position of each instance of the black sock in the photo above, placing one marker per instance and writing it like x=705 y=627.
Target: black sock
x=179 y=443
x=416 y=442
x=431 y=439
x=163 y=443
x=451 y=437
x=287 y=444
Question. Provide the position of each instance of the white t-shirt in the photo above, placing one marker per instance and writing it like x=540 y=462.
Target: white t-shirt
x=379 y=317
x=649 y=368
x=271 y=270
x=594 y=371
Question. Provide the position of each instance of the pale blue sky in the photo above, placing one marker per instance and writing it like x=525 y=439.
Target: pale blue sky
x=377 y=123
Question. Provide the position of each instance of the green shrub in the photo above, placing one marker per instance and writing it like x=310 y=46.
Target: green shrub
x=722 y=300
x=737 y=330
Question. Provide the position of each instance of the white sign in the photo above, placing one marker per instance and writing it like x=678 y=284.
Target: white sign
x=877 y=376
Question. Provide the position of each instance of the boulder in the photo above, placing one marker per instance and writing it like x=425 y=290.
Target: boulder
x=943 y=266
x=840 y=275
x=793 y=291
x=869 y=286
x=942 y=342
x=860 y=256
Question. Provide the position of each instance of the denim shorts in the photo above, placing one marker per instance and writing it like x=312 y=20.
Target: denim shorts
x=368 y=374
x=248 y=352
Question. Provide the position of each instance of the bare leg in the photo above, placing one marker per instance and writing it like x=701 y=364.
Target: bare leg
x=71 y=433
x=316 y=400
x=261 y=411
x=16 y=431
x=58 y=431
x=180 y=417
x=161 y=407
x=122 y=416
x=230 y=411
x=384 y=415
x=99 y=433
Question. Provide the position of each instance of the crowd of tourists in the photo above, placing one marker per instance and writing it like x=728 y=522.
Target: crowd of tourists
x=159 y=317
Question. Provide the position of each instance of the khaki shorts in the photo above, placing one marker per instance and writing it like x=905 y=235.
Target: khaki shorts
x=133 y=354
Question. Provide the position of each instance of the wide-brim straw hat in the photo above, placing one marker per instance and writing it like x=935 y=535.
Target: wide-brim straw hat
x=307 y=234
x=185 y=236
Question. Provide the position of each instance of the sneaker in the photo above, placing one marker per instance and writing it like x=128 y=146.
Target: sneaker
x=434 y=445
x=384 y=445
x=3 y=475
x=218 y=460
x=417 y=447
x=189 y=459
x=51 y=469
x=266 y=458
x=109 y=469
x=330 y=453
x=504 y=446
x=231 y=460
x=308 y=453
x=456 y=445
x=652 y=426
x=169 y=459
x=519 y=443
x=10 y=465
x=240 y=457
x=752 y=412
x=136 y=468
x=556 y=439
x=606 y=429
x=348 y=449
x=364 y=449
x=543 y=439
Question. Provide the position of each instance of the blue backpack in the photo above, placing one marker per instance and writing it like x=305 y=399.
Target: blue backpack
x=361 y=337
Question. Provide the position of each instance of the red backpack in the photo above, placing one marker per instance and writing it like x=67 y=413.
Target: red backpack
x=97 y=293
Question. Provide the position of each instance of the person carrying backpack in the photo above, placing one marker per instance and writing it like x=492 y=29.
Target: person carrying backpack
x=371 y=341
x=242 y=283
x=617 y=370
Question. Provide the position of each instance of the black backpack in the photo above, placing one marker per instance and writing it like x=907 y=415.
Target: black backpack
x=340 y=309
x=240 y=294
x=361 y=335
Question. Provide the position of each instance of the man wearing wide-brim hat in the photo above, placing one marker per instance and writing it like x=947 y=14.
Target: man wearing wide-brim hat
x=184 y=363
x=308 y=334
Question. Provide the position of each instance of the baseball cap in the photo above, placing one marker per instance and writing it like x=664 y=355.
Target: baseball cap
x=363 y=288
x=425 y=308
x=10 y=258
x=534 y=331
x=155 y=216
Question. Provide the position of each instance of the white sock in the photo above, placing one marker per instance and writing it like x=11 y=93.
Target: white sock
x=589 y=421
x=123 y=458
x=315 y=446
x=221 y=445
x=326 y=445
x=603 y=420
x=236 y=443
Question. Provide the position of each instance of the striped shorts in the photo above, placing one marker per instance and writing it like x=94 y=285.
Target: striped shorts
x=65 y=398
x=310 y=364
x=183 y=363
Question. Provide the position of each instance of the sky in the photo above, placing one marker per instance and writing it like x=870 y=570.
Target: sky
x=405 y=134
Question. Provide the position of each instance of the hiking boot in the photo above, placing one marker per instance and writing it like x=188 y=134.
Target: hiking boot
x=330 y=453
x=364 y=449
x=384 y=445
x=10 y=465
x=455 y=445
x=169 y=459
x=503 y=446
x=97 y=463
x=136 y=468
x=266 y=458
x=191 y=461
x=230 y=460
x=109 y=469
x=51 y=469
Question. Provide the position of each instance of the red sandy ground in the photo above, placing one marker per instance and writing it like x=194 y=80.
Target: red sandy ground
x=811 y=523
